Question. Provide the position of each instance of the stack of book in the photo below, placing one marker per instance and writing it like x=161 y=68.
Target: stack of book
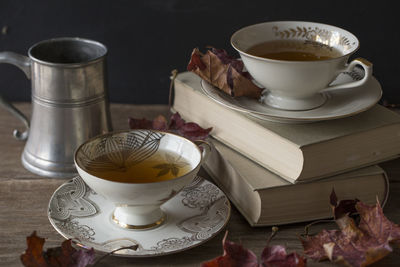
x=276 y=173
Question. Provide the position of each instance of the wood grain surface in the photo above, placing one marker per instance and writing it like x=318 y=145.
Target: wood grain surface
x=24 y=198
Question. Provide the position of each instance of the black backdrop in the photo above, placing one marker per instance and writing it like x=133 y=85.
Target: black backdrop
x=147 y=39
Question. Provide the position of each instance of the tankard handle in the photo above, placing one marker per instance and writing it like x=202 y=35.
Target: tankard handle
x=24 y=63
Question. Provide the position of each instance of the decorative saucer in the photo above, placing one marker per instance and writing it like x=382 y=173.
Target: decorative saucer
x=199 y=212
x=339 y=104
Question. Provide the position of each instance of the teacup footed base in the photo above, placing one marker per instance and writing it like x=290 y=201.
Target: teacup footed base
x=138 y=222
x=295 y=104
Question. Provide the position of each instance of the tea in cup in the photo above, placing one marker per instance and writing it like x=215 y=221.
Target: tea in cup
x=296 y=61
x=138 y=171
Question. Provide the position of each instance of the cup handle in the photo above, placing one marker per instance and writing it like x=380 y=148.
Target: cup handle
x=365 y=64
x=206 y=149
x=24 y=63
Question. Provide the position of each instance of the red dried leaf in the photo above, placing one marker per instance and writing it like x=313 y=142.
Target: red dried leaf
x=176 y=125
x=195 y=62
x=176 y=121
x=235 y=255
x=355 y=245
x=276 y=256
x=64 y=256
x=377 y=225
x=140 y=123
x=344 y=207
x=227 y=59
x=224 y=72
x=313 y=246
x=193 y=131
x=84 y=258
x=61 y=256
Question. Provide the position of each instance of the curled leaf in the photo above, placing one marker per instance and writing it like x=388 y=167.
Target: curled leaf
x=343 y=207
x=176 y=125
x=355 y=245
x=235 y=255
x=224 y=72
x=84 y=258
x=140 y=123
x=272 y=256
x=176 y=121
x=63 y=256
x=276 y=256
x=160 y=123
x=196 y=62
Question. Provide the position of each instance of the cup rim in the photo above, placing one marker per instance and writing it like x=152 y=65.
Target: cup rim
x=70 y=65
x=126 y=131
x=292 y=61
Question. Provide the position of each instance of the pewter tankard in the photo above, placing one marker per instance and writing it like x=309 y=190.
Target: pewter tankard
x=69 y=102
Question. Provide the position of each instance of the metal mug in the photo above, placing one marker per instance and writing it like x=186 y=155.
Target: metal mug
x=69 y=102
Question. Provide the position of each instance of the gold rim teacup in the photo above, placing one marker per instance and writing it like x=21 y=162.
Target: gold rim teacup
x=137 y=205
x=299 y=85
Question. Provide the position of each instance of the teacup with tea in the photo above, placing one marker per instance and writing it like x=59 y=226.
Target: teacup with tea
x=296 y=61
x=138 y=171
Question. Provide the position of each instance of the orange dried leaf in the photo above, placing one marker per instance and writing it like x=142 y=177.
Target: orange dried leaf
x=33 y=256
x=224 y=72
x=160 y=123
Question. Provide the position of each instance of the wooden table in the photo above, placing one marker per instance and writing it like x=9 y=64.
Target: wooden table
x=24 y=198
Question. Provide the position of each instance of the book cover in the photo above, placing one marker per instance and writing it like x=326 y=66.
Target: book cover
x=296 y=152
x=264 y=198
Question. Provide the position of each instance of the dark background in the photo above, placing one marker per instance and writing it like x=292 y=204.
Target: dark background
x=147 y=39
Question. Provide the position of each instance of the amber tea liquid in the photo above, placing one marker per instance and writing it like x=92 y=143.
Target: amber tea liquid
x=293 y=50
x=161 y=166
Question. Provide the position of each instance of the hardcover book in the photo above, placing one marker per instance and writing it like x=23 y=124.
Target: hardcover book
x=264 y=198
x=296 y=152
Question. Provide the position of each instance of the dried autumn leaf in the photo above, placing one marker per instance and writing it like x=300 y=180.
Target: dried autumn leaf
x=160 y=123
x=84 y=258
x=61 y=256
x=33 y=256
x=176 y=125
x=64 y=256
x=235 y=255
x=272 y=256
x=140 y=123
x=224 y=72
x=176 y=121
x=276 y=256
x=355 y=245
x=344 y=207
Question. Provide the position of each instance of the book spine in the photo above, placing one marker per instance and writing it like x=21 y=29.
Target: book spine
x=246 y=200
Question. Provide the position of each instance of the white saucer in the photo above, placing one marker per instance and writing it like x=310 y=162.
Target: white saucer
x=339 y=104
x=195 y=215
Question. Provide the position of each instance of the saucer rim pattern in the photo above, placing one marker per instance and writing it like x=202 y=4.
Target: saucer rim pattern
x=187 y=198
x=210 y=91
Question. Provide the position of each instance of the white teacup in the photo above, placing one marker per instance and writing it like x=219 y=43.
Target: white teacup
x=137 y=205
x=299 y=85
